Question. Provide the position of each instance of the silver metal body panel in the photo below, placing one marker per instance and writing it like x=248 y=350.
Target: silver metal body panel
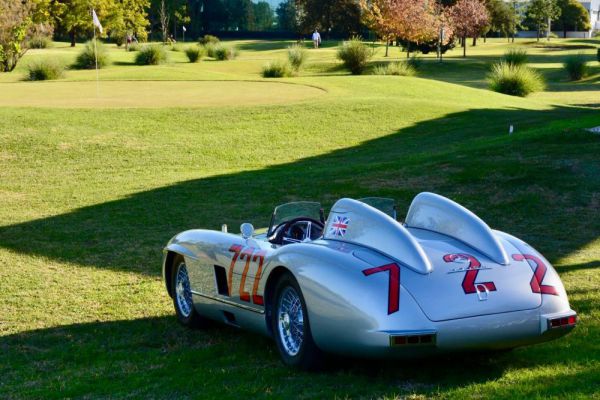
x=439 y=214
x=360 y=292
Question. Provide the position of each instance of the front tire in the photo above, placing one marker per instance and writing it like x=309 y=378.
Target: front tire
x=182 y=295
x=291 y=327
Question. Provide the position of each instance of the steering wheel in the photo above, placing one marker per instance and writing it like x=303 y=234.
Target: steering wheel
x=282 y=228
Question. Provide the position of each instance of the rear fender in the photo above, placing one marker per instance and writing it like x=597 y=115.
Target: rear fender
x=349 y=310
x=554 y=295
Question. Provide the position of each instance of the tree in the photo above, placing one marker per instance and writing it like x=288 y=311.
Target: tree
x=468 y=18
x=330 y=16
x=542 y=12
x=164 y=21
x=117 y=16
x=15 y=20
x=414 y=21
x=263 y=15
x=287 y=18
x=573 y=17
x=377 y=15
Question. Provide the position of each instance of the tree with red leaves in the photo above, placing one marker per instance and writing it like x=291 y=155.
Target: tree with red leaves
x=468 y=18
x=411 y=20
x=377 y=15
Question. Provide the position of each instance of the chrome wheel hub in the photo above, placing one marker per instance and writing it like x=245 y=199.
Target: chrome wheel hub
x=290 y=321
x=183 y=292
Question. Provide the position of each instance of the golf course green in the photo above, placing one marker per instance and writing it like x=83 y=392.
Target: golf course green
x=97 y=175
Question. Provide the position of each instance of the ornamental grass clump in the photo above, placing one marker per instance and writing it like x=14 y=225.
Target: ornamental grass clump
x=576 y=66
x=296 y=56
x=395 y=68
x=134 y=47
x=208 y=39
x=514 y=80
x=86 y=59
x=221 y=52
x=194 y=53
x=414 y=62
x=515 y=57
x=151 y=55
x=44 y=70
x=355 y=55
x=39 y=41
x=277 y=69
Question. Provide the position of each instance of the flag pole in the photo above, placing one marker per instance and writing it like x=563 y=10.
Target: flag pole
x=96 y=60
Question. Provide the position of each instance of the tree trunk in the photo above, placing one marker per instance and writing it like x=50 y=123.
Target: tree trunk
x=465 y=46
x=538 y=32
x=387 y=46
x=407 y=49
x=474 y=41
x=549 y=32
x=72 y=35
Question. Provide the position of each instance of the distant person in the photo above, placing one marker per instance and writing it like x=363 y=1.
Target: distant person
x=316 y=38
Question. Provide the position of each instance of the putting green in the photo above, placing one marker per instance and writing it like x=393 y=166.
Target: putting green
x=134 y=94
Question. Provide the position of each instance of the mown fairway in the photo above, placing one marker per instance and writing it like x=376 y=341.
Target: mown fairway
x=93 y=182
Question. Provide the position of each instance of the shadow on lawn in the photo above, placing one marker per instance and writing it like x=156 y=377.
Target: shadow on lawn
x=156 y=357
x=548 y=197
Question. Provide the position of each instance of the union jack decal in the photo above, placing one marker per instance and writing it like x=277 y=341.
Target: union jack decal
x=339 y=226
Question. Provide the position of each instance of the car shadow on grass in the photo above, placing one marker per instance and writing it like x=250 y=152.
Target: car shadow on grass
x=156 y=357
x=539 y=184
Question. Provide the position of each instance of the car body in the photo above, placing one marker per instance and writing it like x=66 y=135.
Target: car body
x=363 y=284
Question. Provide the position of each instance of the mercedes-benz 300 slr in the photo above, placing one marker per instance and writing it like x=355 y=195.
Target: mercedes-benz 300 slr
x=362 y=283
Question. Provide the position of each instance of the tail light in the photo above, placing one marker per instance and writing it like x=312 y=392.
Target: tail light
x=413 y=340
x=563 y=322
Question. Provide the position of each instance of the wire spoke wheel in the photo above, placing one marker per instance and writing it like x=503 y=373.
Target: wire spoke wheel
x=290 y=321
x=183 y=292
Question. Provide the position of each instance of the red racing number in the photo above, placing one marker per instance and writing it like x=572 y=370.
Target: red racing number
x=393 y=284
x=468 y=283
x=249 y=255
x=538 y=274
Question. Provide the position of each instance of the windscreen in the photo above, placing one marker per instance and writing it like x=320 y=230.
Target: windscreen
x=289 y=211
x=385 y=205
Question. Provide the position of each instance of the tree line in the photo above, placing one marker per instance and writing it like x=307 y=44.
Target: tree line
x=414 y=21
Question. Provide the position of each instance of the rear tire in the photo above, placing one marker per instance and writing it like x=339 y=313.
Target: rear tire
x=182 y=295
x=291 y=327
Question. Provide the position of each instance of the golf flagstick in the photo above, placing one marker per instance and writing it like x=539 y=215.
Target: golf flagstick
x=96 y=23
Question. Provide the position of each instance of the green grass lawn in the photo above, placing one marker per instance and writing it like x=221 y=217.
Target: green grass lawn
x=94 y=181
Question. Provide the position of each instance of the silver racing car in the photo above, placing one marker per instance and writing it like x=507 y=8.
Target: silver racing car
x=362 y=283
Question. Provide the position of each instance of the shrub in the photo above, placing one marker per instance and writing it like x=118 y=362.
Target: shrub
x=86 y=58
x=194 y=53
x=515 y=57
x=43 y=70
x=277 y=69
x=151 y=55
x=396 y=68
x=177 y=47
x=118 y=37
x=296 y=56
x=515 y=80
x=38 y=41
x=354 y=54
x=208 y=39
x=415 y=62
x=134 y=47
x=576 y=66
x=221 y=52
